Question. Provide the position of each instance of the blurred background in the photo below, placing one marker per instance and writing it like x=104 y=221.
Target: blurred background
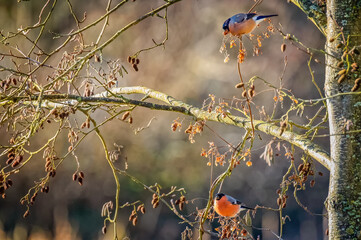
x=189 y=68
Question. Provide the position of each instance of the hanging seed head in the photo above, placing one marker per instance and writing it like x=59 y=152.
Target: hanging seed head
x=244 y=93
x=142 y=209
x=80 y=181
x=104 y=230
x=135 y=67
x=125 y=115
x=75 y=176
x=341 y=78
x=135 y=221
x=283 y=47
x=312 y=183
x=81 y=174
x=340 y=64
x=239 y=85
x=26 y=214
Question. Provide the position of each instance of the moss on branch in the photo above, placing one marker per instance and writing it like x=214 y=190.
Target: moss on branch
x=315 y=11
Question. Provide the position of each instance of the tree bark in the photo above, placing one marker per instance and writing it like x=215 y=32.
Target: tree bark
x=344 y=199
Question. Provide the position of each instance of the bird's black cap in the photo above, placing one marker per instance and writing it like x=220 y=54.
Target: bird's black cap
x=226 y=27
x=219 y=196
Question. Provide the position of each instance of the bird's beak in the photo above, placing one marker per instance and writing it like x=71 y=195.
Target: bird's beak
x=225 y=32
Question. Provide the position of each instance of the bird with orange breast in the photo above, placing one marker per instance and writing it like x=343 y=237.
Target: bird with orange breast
x=227 y=206
x=243 y=23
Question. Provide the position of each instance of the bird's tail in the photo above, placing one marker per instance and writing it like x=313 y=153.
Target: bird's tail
x=245 y=207
x=259 y=19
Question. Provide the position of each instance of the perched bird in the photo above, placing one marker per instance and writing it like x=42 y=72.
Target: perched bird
x=227 y=206
x=243 y=23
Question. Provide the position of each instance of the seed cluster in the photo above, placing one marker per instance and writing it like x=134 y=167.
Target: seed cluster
x=134 y=61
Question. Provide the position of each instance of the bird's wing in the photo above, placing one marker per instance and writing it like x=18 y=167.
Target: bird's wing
x=240 y=17
x=233 y=200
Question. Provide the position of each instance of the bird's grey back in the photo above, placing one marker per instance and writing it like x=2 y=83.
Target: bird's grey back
x=240 y=17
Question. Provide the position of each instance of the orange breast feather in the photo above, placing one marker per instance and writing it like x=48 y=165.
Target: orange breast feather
x=225 y=208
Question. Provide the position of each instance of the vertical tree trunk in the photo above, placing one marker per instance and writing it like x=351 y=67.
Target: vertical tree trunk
x=344 y=199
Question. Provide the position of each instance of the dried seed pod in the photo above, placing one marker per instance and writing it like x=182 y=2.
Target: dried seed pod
x=177 y=202
x=9 y=182
x=135 y=67
x=182 y=198
x=26 y=214
x=312 y=183
x=354 y=66
x=80 y=181
x=278 y=191
x=300 y=167
x=132 y=215
x=3 y=195
x=341 y=72
x=239 y=85
x=135 y=221
x=83 y=125
x=96 y=58
x=283 y=47
x=129 y=59
x=15 y=164
x=279 y=201
x=104 y=230
x=11 y=154
x=53 y=173
x=47 y=164
x=331 y=40
x=137 y=61
x=81 y=174
x=284 y=205
x=181 y=206
x=244 y=93
x=355 y=88
x=125 y=115
x=139 y=207
x=339 y=45
x=46 y=189
x=340 y=64
x=142 y=209
x=130 y=120
x=189 y=129
x=9 y=161
x=250 y=92
x=156 y=204
x=341 y=78
x=75 y=176
x=133 y=60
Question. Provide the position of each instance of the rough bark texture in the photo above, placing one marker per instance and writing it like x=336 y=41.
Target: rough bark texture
x=344 y=200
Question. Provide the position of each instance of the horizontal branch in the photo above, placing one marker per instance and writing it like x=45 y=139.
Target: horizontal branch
x=175 y=105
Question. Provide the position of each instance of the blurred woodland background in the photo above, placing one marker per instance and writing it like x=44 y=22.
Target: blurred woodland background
x=189 y=68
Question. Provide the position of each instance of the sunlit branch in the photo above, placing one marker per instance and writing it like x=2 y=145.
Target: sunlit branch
x=175 y=105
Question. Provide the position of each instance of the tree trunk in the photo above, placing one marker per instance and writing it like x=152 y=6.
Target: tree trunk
x=344 y=199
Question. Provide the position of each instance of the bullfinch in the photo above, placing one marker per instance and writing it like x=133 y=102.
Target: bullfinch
x=227 y=206
x=243 y=23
